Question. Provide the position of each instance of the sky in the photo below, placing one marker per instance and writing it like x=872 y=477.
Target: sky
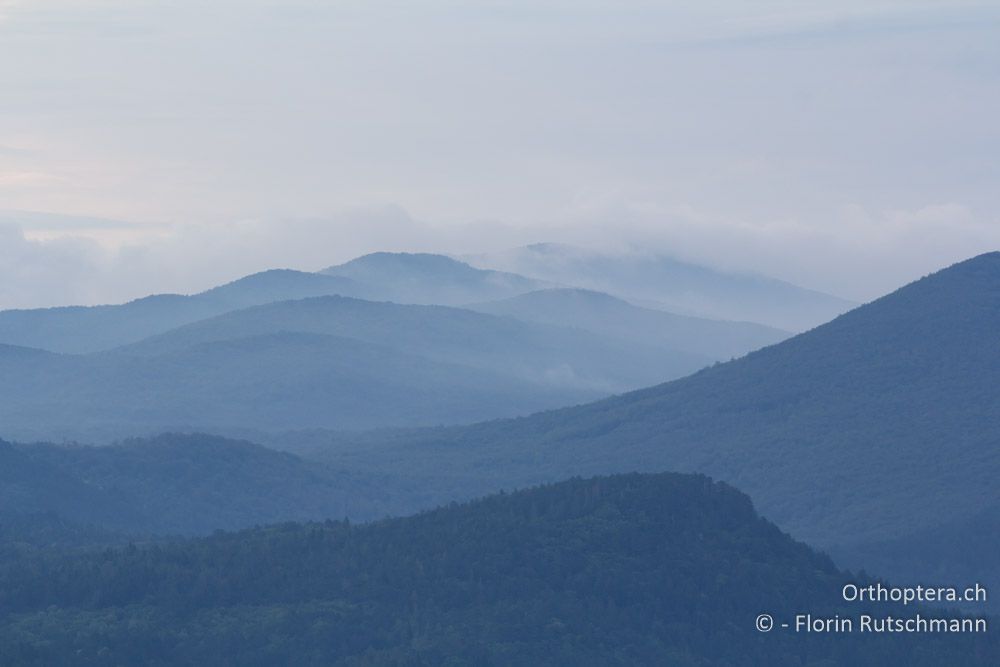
x=154 y=145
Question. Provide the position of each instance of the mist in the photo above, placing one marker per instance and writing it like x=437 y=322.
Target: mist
x=170 y=146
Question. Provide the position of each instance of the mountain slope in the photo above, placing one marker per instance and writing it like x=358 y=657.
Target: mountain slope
x=617 y=319
x=30 y=487
x=550 y=355
x=430 y=279
x=883 y=422
x=82 y=329
x=672 y=285
x=183 y=484
x=664 y=569
x=268 y=381
x=324 y=362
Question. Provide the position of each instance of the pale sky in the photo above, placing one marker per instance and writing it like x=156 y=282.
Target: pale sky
x=154 y=145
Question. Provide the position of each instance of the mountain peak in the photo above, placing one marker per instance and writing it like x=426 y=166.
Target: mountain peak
x=426 y=278
x=413 y=260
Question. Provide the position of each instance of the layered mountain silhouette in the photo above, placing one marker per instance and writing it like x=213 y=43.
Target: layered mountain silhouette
x=669 y=284
x=397 y=277
x=424 y=278
x=82 y=329
x=336 y=362
x=634 y=569
x=325 y=362
x=283 y=349
x=881 y=424
x=615 y=318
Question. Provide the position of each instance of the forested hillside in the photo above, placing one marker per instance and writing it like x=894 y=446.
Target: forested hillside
x=183 y=485
x=879 y=424
x=656 y=569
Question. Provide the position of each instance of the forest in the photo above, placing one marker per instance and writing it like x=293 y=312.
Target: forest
x=629 y=569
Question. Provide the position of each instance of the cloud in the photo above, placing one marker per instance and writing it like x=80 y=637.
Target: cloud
x=853 y=252
x=55 y=272
x=847 y=147
x=507 y=110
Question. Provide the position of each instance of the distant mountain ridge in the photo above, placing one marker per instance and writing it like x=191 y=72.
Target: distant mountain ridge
x=607 y=315
x=84 y=329
x=669 y=284
x=423 y=278
x=284 y=350
x=323 y=362
x=398 y=277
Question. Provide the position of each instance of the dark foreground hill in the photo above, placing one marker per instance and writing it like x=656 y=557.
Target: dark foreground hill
x=878 y=425
x=630 y=570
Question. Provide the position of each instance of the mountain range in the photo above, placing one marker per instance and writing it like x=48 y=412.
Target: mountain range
x=665 y=283
x=83 y=329
x=283 y=350
x=617 y=319
x=403 y=278
x=872 y=437
x=879 y=426
x=326 y=362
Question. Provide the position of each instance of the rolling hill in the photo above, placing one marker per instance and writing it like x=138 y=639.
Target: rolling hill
x=551 y=355
x=264 y=381
x=341 y=363
x=177 y=484
x=32 y=488
x=398 y=277
x=83 y=329
x=672 y=285
x=614 y=318
x=655 y=569
x=881 y=424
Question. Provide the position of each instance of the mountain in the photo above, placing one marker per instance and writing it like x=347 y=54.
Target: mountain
x=627 y=570
x=82 y=329
x=881 y=424
x=669 y=284
x=614 y=318
x=279 y=285
x=33 y=488
x=323 y=362
x=400 y=277
x=550 y=355
x=183 y=485
x=278 y=381
x=430 y=279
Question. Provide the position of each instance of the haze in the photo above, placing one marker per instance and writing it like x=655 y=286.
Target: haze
x=168 y=146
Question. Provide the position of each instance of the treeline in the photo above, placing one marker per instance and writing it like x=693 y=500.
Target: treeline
x=633 y=569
